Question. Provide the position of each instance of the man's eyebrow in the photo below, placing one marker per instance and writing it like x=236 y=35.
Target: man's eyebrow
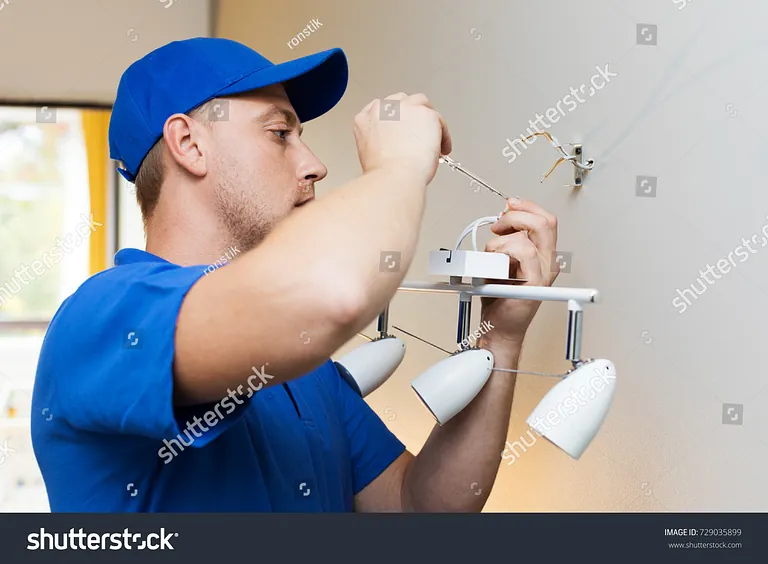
x=274 y=111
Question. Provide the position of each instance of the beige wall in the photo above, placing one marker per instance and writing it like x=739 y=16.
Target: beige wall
x=489 y=66
x=76 y=50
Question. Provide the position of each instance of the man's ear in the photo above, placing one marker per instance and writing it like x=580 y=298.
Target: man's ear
x=185 y=144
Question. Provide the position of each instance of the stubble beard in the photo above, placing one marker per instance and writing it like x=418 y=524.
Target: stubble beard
x=246 y=224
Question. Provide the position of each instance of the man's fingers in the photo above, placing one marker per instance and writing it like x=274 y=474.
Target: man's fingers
x=524 y=256
x=369 y=106
x=518 y=204
x=524 y=215
x=446 y=145
x=420 y=99
x=540 y=230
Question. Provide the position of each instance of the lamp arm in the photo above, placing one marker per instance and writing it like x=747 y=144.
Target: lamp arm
x=574 y=296
x=538 y=293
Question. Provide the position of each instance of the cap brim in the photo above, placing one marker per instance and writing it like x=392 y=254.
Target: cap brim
x=314 y=84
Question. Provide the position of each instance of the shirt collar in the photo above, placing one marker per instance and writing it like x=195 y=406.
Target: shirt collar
x=130 y=256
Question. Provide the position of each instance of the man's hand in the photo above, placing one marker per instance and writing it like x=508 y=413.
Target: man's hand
x=528 y=234
x=414 y=141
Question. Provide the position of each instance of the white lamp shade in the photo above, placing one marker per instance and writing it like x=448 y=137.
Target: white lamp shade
x=571 y=413
x=371 y=364
x=447 y=387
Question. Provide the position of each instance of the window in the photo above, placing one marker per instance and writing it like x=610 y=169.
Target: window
x=44 y=204
x=44 y=256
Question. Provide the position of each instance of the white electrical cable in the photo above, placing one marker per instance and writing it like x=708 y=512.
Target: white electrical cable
x=472 y=228
x=474 y=231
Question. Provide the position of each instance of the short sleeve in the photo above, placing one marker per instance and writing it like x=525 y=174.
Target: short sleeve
x=107 y=359
x=373 y=446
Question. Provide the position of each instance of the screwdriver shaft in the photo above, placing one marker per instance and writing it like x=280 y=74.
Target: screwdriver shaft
x=457 y=166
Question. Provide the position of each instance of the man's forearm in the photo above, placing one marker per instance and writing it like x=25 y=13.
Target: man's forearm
x=457 y=466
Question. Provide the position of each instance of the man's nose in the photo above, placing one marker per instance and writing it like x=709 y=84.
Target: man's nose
x=311 y=168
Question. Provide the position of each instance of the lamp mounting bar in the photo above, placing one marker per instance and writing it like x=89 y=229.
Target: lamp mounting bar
x=537 y=293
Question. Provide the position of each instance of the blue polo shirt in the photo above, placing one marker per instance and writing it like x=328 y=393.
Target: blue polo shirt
x=108 y=438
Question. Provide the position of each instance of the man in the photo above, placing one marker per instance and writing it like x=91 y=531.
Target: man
x=170 y=386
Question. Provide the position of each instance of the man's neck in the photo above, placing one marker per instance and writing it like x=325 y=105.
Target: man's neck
x=185 y=244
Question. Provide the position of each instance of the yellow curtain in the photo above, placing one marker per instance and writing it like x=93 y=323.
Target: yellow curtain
x=96 y=127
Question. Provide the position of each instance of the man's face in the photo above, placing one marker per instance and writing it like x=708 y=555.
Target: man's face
x=260 y=168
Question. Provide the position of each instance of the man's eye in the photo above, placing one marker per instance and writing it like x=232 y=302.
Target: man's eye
x=279 y=131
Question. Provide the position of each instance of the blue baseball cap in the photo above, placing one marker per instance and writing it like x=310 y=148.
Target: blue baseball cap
x=182 y=75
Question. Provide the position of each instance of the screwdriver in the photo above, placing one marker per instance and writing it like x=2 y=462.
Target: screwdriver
x=445 y=159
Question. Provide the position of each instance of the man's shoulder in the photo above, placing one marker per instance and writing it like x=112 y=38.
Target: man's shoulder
x=119 y=292
x=108 y=286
